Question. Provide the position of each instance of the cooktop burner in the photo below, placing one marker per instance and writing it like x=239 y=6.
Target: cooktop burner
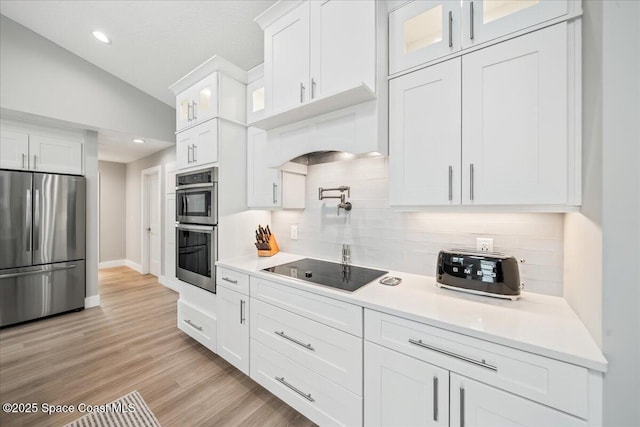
x=346 y=277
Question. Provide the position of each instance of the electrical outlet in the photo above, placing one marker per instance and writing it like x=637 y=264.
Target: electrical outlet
x=294 y=232
x=484 y=244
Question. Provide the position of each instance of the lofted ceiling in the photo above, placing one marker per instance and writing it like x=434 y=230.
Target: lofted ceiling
x=154 y=43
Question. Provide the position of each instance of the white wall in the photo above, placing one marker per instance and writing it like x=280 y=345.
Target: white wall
x=41 y=78
x=112 y=211
x=621 y=210
x=583 y=231
x=134 y=200
x=410 y=241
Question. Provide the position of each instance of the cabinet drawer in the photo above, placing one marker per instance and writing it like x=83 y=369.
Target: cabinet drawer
x=554 y=383
x=312 y=395
x=198 y=325
x=233 y=280
x=340 y=315
x=326 y=351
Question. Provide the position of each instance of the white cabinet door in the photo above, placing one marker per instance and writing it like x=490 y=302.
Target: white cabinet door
x=184 y=147
x=423 y=30
x=52 y=154
x=475 y=404
x=204 y=95
x=489 y=19
x=265 y=184
x=255 y=100
x=514 y=135
x=205 y=143
x=14 y=150
x=286 y=65
x=343 y=48
x=424 y=136
x=233 y=328
x=184 y=114
x=402 y=391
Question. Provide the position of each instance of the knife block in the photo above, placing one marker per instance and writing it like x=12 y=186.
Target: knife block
x=273 y=245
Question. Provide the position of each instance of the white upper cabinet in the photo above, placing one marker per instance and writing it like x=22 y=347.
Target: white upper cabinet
x=515 y=124
x=425 y=135
x=488 y=19
x=255 y=100
x=422 y=31
x=320 y=56
x=198 y=103
x=197 y=146
x=42 y=152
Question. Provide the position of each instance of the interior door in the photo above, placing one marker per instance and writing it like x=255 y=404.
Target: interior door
x=16 y=199
x=59 y=203
x=286 y=60
x=154 y=224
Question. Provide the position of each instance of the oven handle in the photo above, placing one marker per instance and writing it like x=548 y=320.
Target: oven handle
x=202 y=228
x=201 y=185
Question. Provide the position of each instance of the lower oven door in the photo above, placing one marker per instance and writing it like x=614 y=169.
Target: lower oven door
x=196 y=254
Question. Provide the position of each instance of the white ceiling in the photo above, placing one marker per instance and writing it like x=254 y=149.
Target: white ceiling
x=154 y=43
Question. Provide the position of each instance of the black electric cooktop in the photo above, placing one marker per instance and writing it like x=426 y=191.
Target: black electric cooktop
x=345 y=277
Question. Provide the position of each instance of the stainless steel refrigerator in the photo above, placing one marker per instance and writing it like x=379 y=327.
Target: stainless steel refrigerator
x=42 y=245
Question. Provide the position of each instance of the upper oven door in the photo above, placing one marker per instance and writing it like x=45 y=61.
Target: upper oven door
x=197 y=204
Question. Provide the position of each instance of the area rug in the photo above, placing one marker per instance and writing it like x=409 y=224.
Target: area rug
x=128 y=411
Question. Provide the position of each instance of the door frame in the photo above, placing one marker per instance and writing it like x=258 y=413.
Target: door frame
x=144 y=217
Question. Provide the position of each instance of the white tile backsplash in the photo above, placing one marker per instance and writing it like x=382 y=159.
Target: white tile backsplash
x=383 y=237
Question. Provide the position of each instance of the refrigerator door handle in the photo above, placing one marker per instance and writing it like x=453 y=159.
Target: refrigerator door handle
x=27 y=221
x=42 y=271
x=36 y=220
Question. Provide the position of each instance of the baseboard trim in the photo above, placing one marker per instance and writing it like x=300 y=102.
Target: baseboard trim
x=132 y=265
x=92 y=301
x=169 y=283
x=112 y=263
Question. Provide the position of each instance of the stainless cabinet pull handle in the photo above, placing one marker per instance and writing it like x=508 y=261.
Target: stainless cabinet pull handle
x=195 y=153
x=242 y=319
x=306 y=396
x=295 y=341
x=35 y=159
x=461 y=406
x=471 y=181
x=188 y=154
x=275 y=196
x=28 y=273
x=457 y=356
x=450 y=183
x=450 y=29
x=313 y=88
x=301 y=92
x=195 y=110
x=471 y=19
x=189 y=112
x=190 y=323
x=435 y=398
x=226 y=279
x=23 y=156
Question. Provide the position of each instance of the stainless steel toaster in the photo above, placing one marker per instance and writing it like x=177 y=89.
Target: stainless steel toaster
x=482 y=273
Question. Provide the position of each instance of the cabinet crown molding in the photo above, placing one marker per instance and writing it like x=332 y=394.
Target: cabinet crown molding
x=270 y=15
x=211 y=65
x=255 y=73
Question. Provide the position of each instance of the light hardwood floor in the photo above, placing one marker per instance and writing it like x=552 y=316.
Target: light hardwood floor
x=130 y=342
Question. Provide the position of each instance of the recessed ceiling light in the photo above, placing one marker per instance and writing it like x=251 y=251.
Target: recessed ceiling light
x=139 y=141
x=102 y=37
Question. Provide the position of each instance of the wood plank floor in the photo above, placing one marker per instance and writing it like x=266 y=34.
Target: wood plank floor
x=130 y=342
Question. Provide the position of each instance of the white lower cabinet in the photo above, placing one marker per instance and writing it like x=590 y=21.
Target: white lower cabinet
x=233 y=328
x=198 y=324
x=474 y=404
x=403 y=391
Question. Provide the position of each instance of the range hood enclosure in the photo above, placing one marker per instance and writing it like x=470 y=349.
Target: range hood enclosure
x=355 y=130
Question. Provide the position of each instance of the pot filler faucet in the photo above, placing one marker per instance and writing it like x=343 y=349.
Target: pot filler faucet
x=343 y=203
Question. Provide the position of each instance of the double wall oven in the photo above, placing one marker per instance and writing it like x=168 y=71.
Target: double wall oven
x=197 y=227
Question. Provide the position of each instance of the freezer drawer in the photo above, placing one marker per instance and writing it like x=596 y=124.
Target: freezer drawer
x=33 y=292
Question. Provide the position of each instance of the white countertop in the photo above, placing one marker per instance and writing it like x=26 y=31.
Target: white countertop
x=539 y=324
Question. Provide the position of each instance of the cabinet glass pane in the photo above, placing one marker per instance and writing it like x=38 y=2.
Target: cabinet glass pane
x=204 y=98
x=184 y=109
x=258 y=99
x=423 y=30
x=496 y=9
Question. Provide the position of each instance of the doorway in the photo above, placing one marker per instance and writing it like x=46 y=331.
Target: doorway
x=151 y=221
